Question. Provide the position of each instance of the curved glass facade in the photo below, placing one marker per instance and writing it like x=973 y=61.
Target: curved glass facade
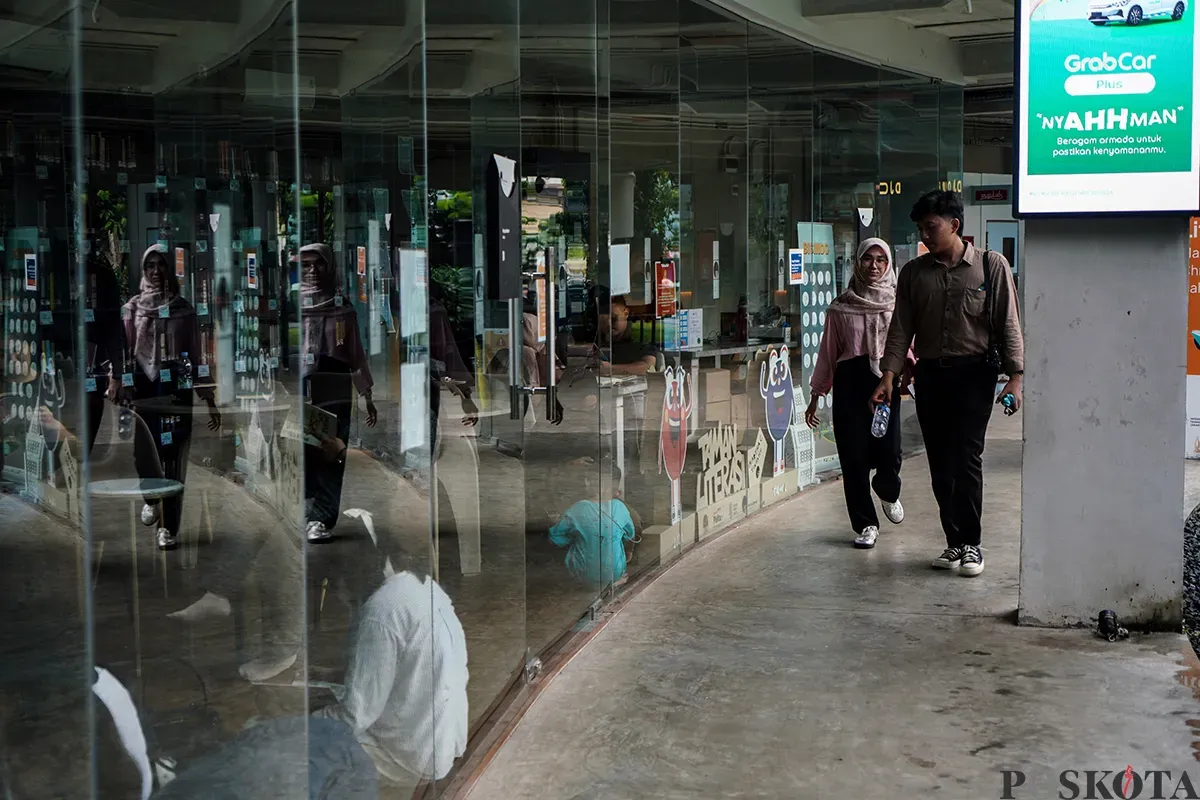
x=358 y=354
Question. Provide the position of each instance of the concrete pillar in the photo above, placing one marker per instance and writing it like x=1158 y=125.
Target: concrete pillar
x=1102 y=480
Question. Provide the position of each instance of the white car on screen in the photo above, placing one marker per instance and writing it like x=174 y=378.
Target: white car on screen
x=1133 y=12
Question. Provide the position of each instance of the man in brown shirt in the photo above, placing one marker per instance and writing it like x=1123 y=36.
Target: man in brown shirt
x=942 y=302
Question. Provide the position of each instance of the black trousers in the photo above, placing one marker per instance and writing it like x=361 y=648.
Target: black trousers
x=954 y=405
x=328 y=387
x=858 y=450
x=155 y=456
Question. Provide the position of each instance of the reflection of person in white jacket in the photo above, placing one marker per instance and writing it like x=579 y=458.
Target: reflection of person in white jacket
x=406 y=685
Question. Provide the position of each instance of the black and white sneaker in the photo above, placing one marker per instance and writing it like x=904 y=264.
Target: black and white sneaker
x=950 y=558
x=893 y=511
x=866 y=539
x=166 y=540
x=972 y=561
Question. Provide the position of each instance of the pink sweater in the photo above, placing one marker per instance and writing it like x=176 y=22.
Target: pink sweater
x=844 y=338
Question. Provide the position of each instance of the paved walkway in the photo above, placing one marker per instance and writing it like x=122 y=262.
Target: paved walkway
x=778 y=662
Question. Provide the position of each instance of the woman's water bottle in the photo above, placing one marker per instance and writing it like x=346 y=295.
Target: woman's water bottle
x=125 y=425
x=879 y=422
x=185 y=371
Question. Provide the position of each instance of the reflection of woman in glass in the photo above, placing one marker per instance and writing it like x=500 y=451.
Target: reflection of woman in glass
x=333 y=363
x=161 y=326
x=856 y=329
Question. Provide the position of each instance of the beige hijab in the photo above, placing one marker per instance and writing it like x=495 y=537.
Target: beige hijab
x=873 y=300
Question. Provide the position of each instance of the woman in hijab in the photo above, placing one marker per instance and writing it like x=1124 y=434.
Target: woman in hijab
x=163 y=331
x=856 y=327
x=333 y=364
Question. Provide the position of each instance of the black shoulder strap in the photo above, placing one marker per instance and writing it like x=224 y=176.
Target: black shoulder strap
x=989 y=277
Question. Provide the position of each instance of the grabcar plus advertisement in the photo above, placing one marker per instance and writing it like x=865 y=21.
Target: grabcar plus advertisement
x=1107 y=106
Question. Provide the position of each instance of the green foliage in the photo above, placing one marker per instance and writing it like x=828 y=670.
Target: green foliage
x=451 y=206
x=457 y=289
x=656 y=208
x=114 y=221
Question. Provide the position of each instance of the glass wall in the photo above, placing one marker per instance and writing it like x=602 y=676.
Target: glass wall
x=357 y=355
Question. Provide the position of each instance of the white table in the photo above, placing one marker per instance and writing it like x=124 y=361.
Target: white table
x=623 y=387
x=136 y=490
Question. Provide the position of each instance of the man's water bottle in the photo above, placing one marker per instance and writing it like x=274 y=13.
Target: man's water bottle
x=879 y=422
x=1010 y=404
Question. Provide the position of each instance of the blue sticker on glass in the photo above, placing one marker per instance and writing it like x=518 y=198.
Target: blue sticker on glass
x=200 y=184
x=272 y=304
x=237 y=245
x=234 y=184
x=164 y=312
x=127 y=379
x=89 y=384
x=164 y=375
x=202 y=370
x=202 y=309
x=46 y=317
x=89 y=315
x=166 y=437
x=160 y=181
x=122 y=179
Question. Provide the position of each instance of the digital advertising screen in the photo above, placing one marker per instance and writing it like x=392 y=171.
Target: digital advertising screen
x=1106 y=101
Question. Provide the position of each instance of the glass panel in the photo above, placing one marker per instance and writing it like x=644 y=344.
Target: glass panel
x=570 y=548
x=644 y=203
x=847 y=179
x=908 y=157
x=196 y=477
x=781 y=221
x=46 y=406
x=387 y=654
x=950 y=136
x=713 y=274
x=473 y=192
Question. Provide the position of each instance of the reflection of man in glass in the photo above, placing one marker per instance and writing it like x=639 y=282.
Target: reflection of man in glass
x=628 y=356
x=333 y=363
x=406 y=685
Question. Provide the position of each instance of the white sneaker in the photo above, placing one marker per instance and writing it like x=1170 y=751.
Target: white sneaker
x=893 y=511
x=149 y=514
x=211 y=606
x=950 y=558
x=972 y=561
x=262 y=669
x=866 y=539
x=317 y=532
x=166 y=540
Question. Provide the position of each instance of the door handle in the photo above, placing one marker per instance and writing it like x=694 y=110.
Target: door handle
x=516 y=392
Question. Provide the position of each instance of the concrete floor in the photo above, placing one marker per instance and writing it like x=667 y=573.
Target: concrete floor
x=778 y=662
